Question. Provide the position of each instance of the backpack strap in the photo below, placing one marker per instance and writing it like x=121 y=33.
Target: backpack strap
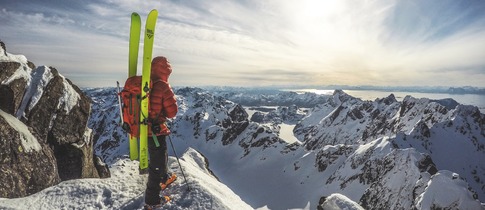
x=155 y=139
x=146 y=119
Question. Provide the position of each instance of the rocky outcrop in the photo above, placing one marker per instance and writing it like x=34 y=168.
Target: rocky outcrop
x=44 y=128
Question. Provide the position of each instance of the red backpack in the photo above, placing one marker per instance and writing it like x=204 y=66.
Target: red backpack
x=131 y=98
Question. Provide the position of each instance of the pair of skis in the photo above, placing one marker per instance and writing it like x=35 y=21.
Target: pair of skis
x=135 y=30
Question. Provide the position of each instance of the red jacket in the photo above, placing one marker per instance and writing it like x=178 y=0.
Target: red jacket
x=163 y=104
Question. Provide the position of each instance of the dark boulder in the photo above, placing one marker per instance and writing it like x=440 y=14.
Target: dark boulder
x=27 y=165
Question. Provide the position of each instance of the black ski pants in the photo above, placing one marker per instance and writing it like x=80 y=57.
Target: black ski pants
x=157 y=169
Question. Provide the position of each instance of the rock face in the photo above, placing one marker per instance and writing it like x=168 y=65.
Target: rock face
x=44 y=136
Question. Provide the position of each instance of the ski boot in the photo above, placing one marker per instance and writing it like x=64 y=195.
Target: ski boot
x=171 y=178
x=163 y=200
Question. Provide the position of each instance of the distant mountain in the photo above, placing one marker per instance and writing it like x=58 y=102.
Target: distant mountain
x=268 y=97
x=416 y=89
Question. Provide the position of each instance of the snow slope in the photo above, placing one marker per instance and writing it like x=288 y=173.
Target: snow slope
x=125 y=190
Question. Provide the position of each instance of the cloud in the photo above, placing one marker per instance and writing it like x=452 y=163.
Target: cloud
x=431 y=20
x=235 y=42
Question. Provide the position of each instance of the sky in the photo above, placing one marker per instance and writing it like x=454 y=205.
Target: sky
x=258 y=42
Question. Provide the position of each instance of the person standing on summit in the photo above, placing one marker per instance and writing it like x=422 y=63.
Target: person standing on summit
x=163 y=105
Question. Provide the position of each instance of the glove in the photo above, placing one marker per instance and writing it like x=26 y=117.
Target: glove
x=156 y=128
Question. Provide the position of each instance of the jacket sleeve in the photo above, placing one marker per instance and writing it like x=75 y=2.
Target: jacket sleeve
x=169 y=103
x=162 y=99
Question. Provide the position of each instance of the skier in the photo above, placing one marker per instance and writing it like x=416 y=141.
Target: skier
x=162 y=106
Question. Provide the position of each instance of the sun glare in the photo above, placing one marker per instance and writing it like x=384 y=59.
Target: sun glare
x=320 y=8
x=317 y=25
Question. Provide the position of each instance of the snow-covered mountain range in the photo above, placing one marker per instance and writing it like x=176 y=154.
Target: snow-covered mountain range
x=283 y=150
x=423 y=153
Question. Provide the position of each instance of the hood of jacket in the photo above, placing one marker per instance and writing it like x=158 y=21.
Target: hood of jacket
x=161 y=69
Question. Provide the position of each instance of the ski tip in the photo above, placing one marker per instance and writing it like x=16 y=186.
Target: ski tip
x=134 y=14
x=153 y=12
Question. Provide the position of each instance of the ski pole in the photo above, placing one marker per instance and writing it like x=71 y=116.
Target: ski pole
x=183 y=174
x=119 y=102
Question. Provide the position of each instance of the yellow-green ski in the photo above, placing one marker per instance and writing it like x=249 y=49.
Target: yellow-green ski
x=135 y=30
x=145 y=86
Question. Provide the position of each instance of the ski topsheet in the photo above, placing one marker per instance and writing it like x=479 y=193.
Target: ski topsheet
x=135 y=30
x=145 y=86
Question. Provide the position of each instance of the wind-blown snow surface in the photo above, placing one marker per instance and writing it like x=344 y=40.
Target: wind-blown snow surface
x=346 y=149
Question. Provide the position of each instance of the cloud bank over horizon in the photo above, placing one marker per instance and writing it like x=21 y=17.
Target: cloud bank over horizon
x=259 y=43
